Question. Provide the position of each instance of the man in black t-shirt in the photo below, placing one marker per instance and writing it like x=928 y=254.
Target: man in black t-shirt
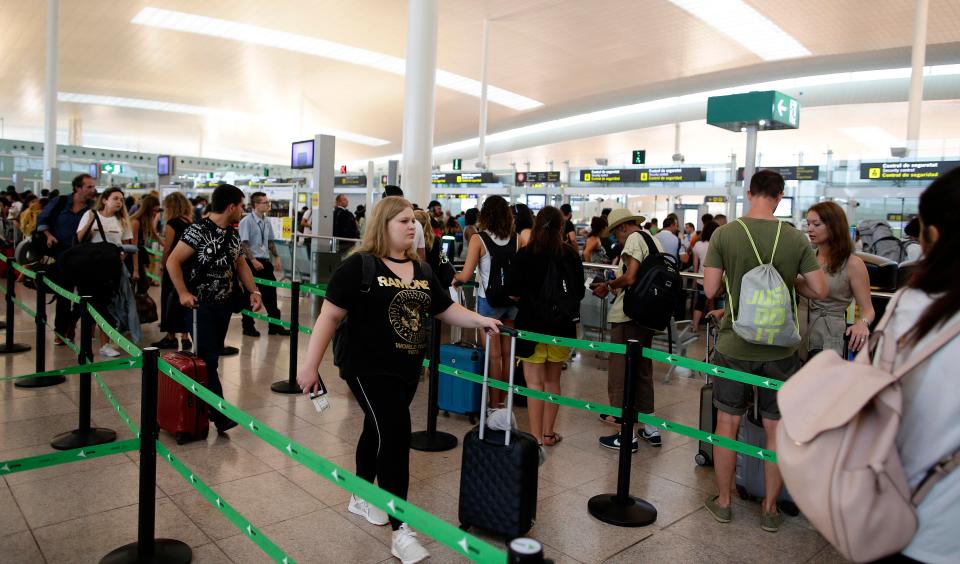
x=203 y=267
x=569 y=229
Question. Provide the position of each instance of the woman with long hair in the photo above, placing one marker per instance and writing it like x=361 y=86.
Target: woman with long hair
x=699 y=252
x=385 y=342
x=143 y=225
x=523 y=223
x=847 y=277
x=112 y=213
x=430 y=240
x=929 y=307
x=548 y=251
x=178 y=215
x=593 y=250
x=469 y=229
x=496 y=236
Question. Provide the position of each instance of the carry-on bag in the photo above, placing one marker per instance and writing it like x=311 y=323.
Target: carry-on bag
x=708 y=412
x=750 y=480
x=456 y=395
x=179 y=412
x=498 y=478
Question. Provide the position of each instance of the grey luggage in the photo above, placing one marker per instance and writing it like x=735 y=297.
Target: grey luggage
x=750 y=480
x=498 y=478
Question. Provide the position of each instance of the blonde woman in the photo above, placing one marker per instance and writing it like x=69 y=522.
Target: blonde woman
x=386 y=341
x=112 y=215
x=178 y=215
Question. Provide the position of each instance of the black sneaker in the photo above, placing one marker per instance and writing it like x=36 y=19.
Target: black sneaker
x=613 y=442
x=186 y=345
x=225 y=426
x=251 y=332
x=653 y=438
x=165 y=343
x=278 y=331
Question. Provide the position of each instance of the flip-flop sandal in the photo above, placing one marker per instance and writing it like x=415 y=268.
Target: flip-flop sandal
x=553 y=438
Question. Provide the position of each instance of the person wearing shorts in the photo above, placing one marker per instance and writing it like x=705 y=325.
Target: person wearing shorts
x=730 y=254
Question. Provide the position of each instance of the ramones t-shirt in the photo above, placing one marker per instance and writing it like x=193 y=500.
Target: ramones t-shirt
x=389 y=326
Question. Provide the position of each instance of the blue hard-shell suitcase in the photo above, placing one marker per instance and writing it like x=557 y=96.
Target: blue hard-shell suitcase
x=749 y=478
x=457 y=395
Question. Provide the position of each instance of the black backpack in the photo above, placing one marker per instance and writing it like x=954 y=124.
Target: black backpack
x=93 y=268
x=496 y=292
x=558 y=300
x=341 y=338
x=653 y=298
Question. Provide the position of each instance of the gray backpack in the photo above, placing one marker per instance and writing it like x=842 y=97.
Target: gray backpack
x=768 y=309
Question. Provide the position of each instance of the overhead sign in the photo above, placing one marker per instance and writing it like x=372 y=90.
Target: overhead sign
x=906 y=171
x=789 y=172
x=641 y=175
x=639 y=156
x=457 y=164
x=551 y=177
x=111 y=168
x=463 y=178
x=764 y=110
x=714 y=199
x=349 y=180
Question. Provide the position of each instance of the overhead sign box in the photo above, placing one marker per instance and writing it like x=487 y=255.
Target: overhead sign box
x=641 y=175
x=639 y=156
x=789 y=172
x=552 y=177
x=714 y=199
x=906 y=171
x=349 y=180
x=463 y=178
x=763 y=110
x=111 y=168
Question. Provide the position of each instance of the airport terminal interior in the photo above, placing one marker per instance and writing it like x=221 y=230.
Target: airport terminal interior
x=656 y=116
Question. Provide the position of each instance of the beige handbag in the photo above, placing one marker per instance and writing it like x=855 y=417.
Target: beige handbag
x=837 y=452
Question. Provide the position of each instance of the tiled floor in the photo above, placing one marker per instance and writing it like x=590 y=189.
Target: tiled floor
x=81 y=511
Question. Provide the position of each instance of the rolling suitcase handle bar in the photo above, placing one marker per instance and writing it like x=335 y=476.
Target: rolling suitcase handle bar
x=512 y=333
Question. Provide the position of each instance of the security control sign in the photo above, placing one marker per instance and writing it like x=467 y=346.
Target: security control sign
x=790 y=172
x=463 y=178
x=714 y=199
x=906 y=171
x=552 y=177
x=349 y=180
x=641 y=175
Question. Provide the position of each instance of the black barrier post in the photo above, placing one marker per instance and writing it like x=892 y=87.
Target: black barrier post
x=84 y=435
x=9 y=346
x=290 y=386
x=621 y=508
x=148 y=548
x=432 y=440
x=41 y=342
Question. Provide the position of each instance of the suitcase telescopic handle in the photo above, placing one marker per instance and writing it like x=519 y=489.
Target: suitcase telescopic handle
x=483 y=390
x=512 y=333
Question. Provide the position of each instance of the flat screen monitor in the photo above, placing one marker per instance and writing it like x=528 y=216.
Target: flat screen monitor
x=448 y=245
x=94 y=170
x=536 y=202
x=163 y=165
x=784 y=208
x=301 y=154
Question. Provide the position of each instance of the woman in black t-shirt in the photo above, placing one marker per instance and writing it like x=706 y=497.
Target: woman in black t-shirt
x=387 y=339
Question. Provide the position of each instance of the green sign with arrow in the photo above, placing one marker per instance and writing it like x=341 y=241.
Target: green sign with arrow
x=765 y=110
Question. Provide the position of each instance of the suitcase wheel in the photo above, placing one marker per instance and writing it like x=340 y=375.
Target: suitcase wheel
x=205 y=433
x=742 y=492
x=446 y=414
x=789 y=508
x=182 y=438
x=473 y=420
x=703 y=459
x=464 y=527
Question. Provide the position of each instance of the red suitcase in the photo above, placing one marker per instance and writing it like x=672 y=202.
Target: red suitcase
x=179 y=412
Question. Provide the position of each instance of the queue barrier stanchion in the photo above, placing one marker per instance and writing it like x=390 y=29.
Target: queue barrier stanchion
x=9 y=347
x=41 y=342
x=84 y=435
x=147 y=548
x=622 y=509
x=290 y=386
x=432 y=440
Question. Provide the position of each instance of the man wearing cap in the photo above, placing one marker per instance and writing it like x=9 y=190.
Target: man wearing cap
x=626 y=227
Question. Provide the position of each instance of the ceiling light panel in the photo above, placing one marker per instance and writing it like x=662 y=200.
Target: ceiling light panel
x=746 y=26
x=257 y=35
x=160 y=106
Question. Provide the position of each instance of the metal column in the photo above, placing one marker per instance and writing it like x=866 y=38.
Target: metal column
x=51 y=176
x=918 y=59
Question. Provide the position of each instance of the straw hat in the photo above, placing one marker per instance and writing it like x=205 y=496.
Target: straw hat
x=619 y=216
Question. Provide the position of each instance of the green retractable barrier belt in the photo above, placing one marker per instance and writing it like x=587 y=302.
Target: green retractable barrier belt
x=153 y=277
x=154 y=252
x=272 y=283
x=70 y=344
x=320 y=290
x=25 y=271
x=63 y=293
x=66 y=456
x=134 y=428
x=575 y=343
x=104 y=366
x=114 y=335
x=268 y=319
x=461 y=542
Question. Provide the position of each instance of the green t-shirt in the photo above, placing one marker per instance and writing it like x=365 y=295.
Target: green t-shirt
x=730 y=250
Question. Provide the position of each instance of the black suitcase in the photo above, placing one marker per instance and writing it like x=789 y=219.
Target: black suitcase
x=708 y=413
x=498 y=479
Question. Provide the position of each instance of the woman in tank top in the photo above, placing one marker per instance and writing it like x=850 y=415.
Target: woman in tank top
x=496 y=235
x=847 y=277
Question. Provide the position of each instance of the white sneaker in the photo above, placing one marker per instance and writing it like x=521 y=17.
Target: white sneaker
x=109 y=351
x=406 y=547
x=373 y=515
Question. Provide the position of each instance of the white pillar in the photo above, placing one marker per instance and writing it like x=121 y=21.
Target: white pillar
x=370 y=173
x=918 y=59
x=51 y=178
x=419 y=99
x=75 y=131
x=749 y=167
x=484 y=55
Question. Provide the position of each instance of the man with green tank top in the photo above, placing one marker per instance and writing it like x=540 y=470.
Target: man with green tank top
x=737 y=248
